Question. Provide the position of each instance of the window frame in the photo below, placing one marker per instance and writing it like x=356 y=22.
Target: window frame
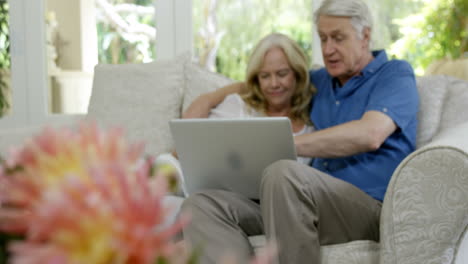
x=173 y=27
x=28 y=64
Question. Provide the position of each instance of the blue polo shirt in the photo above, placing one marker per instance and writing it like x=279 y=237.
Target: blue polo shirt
x=385 y=86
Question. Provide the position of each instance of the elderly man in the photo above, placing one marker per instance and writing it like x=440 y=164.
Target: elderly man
x=365 y=114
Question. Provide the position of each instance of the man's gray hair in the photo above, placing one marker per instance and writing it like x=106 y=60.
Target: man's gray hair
x=357 y=10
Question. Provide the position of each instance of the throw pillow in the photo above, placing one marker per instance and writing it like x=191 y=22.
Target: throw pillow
x=142 y=98
x=199 y=80
x=454 y=110
x=432 y=92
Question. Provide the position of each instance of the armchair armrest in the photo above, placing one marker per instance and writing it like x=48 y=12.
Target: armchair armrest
x=15 y=136
x=425 y=210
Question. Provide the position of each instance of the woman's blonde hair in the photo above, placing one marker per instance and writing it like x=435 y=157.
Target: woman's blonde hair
x=300 y=100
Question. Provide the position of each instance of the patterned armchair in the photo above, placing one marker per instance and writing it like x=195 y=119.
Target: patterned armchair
x=425 y=211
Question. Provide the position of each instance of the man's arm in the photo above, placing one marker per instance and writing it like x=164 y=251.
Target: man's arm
x=364 y=135
x=202 y=105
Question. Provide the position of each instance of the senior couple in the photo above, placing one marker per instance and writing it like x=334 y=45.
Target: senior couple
x=364 y=115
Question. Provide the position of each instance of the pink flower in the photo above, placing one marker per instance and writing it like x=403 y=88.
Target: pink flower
x=84 y=197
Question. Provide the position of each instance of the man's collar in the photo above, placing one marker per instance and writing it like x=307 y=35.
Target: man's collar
x=336 y=83
x=380 y=57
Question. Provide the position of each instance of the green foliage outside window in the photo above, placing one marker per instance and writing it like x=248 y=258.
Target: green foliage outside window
x=439 y=30
x=115 y=46
x=4 y=36
x=4 y=55
x=420 y=31
x=243 y=23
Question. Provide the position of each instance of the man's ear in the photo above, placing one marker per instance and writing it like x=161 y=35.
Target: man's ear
x=366 y=37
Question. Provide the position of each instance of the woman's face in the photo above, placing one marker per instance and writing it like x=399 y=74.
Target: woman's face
x=277 y=80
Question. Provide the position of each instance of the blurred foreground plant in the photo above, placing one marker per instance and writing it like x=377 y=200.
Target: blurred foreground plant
x=86 y=196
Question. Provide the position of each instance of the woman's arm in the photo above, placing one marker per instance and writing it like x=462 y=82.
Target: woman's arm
x=202 y=105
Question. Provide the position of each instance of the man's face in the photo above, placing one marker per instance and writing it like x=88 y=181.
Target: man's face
x=344 y=53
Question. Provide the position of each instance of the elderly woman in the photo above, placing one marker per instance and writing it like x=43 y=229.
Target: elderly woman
x=277 y=84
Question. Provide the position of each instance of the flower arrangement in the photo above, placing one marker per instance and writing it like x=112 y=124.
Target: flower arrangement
x=86 y=196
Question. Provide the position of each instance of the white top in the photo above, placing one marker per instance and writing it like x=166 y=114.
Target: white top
x=234 y=107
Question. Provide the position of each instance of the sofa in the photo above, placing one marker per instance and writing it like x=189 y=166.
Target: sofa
x=425 y=211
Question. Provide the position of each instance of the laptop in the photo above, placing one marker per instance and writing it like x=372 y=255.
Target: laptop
x=230 y=154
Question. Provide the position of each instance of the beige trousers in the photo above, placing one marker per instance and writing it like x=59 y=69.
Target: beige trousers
x=300 y=208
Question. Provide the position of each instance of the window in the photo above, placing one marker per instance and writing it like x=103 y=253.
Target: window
x=5 y=89
x=71 y=54
x=82 y=33
x=387 y=30
x=126 y=31
x=420 y=31
x=225 y=32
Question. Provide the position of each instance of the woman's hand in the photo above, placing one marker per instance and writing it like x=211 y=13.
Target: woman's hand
x=200 y=107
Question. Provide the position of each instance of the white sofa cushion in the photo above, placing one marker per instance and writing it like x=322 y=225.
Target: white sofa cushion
x=432 y=92
x=454 y=110
x=442 y=102
x=15 y=138
x=142 y=98
x=199 y=80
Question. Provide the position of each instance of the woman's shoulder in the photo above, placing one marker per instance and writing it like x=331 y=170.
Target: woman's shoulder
x=233 y=106
x=234 y=98
x=249 y=111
